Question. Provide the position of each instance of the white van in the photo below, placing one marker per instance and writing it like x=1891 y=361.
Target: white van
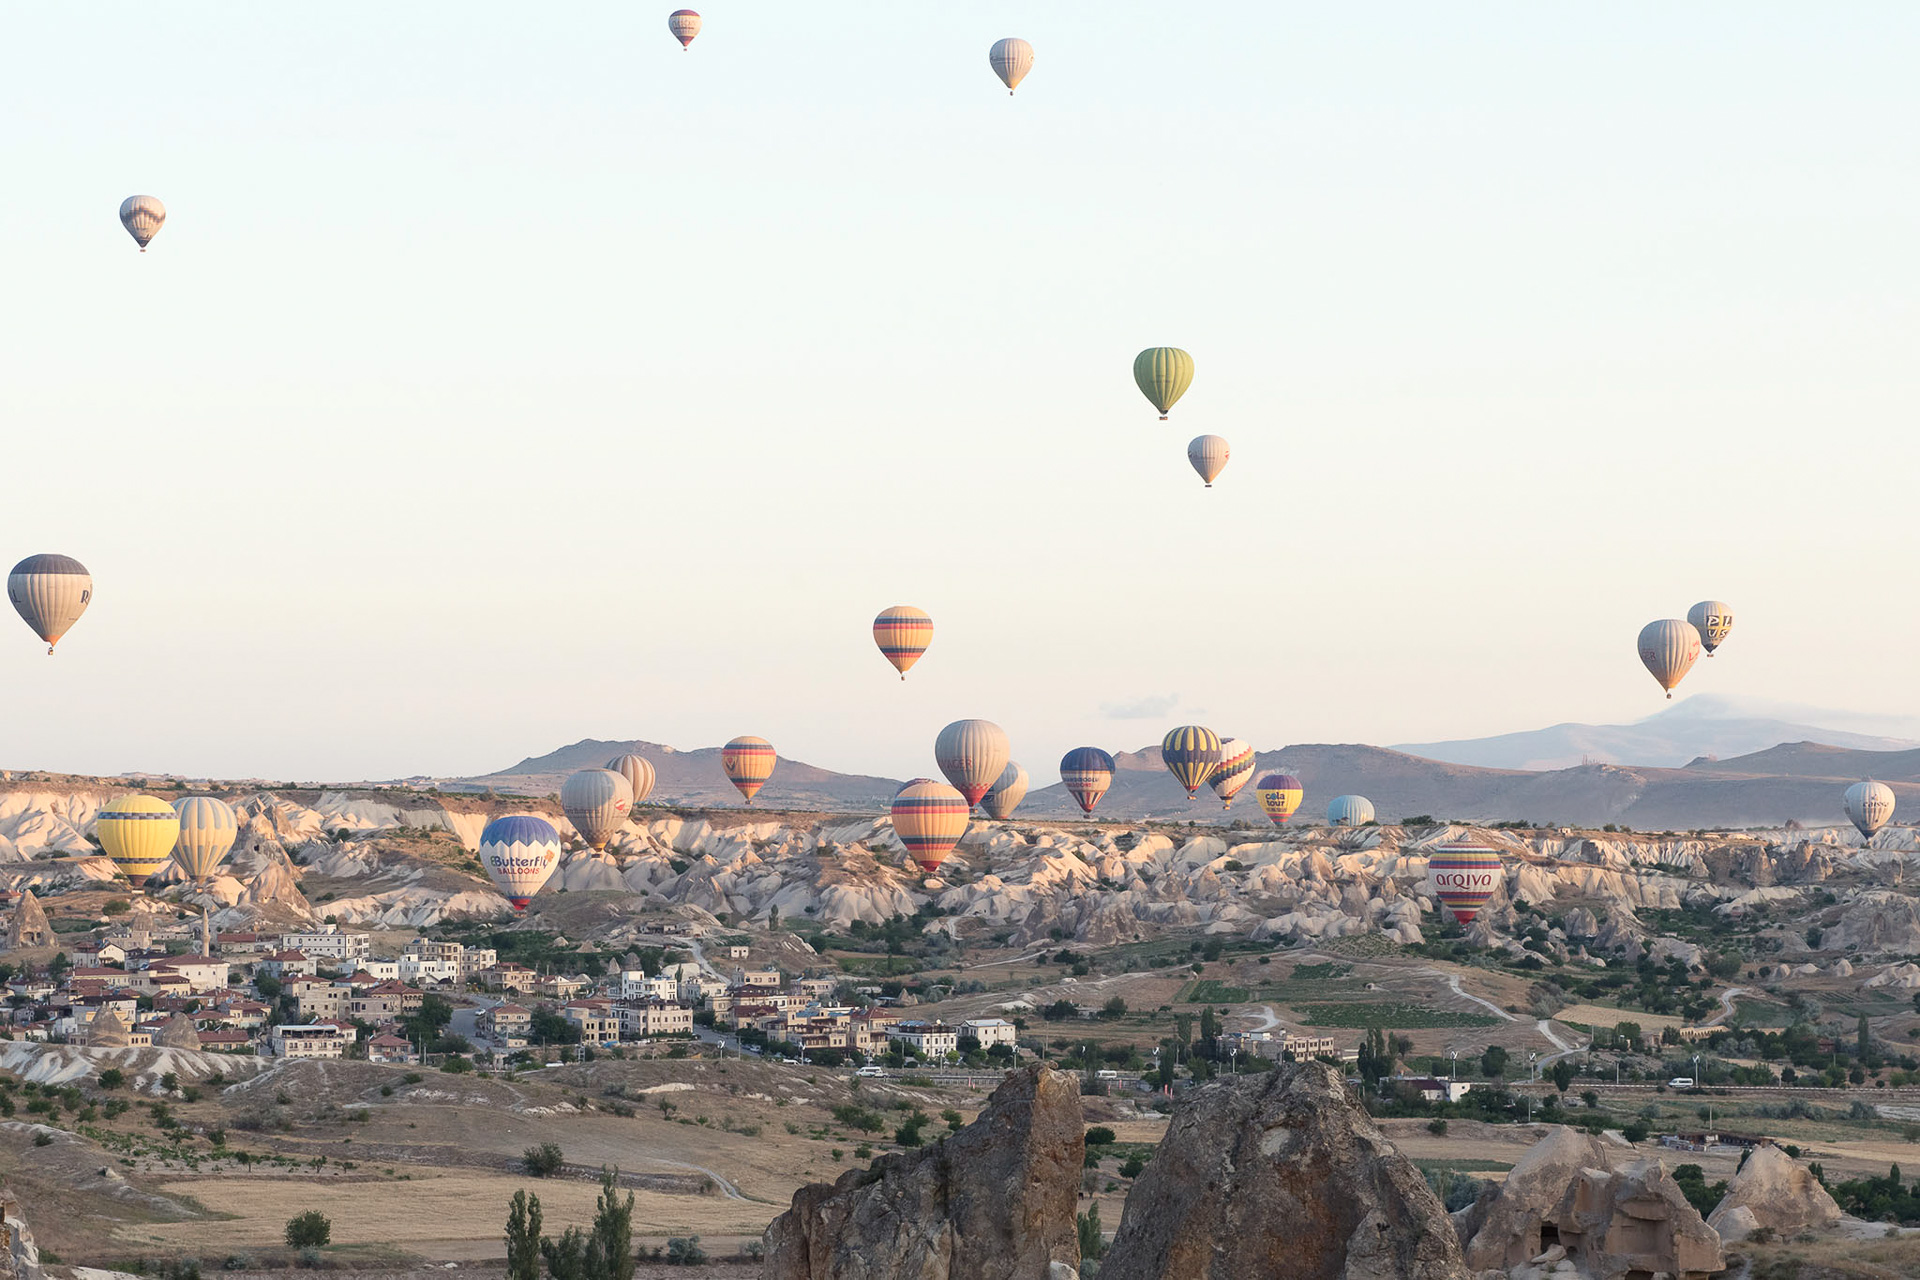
x=1106 y=1075
x=870 y=1071
x=1680 y=1082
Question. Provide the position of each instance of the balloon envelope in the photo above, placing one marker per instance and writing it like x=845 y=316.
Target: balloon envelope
x=929 y=817
x=208 y=827
x=142 y=216
x=520 y=852
x=638 y=771
x=1086 y=773
x=596 y=802
x=50 y=592
x=1350 y=811
x=138 y=833
x=973 y=754
x=1163 y=375
x=1669 y=648
x=1005 y=795
x=1869 y=805
x=1713 y=619
x=685 y=25
x=1190 y=754
x=1464 y=876
x=1279 y=795
x=748 y=762
x=903 y=634
x=1208 y=454
x=1234 y=771
x=1011 y=59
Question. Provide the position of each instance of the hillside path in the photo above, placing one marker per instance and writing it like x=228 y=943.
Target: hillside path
x=1453 y=980
x=1726 y=1006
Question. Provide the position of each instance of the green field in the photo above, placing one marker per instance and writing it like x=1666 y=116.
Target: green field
x=1761 y=1013
x=1463 y=1166
x=1212 y=991
x=1391 y=1015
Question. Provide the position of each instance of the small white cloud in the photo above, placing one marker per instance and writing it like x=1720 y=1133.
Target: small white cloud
x=1149 y=708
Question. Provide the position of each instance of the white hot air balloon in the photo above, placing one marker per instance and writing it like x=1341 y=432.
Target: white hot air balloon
x=1006 y=794
x=1208 y=454
x=596 y=802
x=1669 y=648
x=1011 y=60
x=638 y=771
x=142 y=216
x=208 y=827
x=1713 y=619
x=1869 y=804
x=973 y=754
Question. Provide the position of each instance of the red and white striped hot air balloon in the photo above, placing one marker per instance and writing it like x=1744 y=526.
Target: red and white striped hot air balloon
x=1464 y=875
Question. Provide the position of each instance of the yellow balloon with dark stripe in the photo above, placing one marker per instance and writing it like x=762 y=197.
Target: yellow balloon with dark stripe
x=1163 y=375
x=138 y=833
x=1191 y=753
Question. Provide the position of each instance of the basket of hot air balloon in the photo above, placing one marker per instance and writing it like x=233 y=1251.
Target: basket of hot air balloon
x=1465 y=875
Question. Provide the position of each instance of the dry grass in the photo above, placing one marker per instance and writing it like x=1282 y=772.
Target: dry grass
x=1599 y=1015
x=1831 y=1258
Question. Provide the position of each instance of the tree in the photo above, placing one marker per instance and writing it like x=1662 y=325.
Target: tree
x=1093 y=1242
x=523 y=1237
x=610 y=1248
x=685 y=1251
x=548 y=1027
x=1114 y=1009
x=1209 y=1025
x=309 y=1230
x=544 y=1160
x=1561 y=1074
x=112 y=1078
x=1865 y=1035
x=1494 y=1061
x=426 y=1025
x=567 y=1256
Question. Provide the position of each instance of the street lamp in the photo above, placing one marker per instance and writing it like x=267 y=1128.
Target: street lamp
x=1453 y=1068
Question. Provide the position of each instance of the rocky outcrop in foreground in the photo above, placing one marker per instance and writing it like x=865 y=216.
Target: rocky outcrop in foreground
x=1278 y=1175
x=1774 y=1193
x=993 y=1202
x=1564 y=1210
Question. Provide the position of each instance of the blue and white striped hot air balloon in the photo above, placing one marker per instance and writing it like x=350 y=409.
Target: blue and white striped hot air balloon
x=520 y=852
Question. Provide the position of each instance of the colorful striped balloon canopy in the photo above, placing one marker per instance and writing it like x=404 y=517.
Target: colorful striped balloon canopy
x=1464 y=876
x=1190 y=753
x=748 y=762
x=1279 y=795
x=903 y=634
x=929 y=817
x=1086 y=773
x=520 y=852
x=1233 y=772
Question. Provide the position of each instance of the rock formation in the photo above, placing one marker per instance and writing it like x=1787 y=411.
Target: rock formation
x=107 y=1031
x=1774 y=1192
x=29 y=927
x=994 y=1201
x=1565 y=1203
x=1281 y=1174
x=178 y=1033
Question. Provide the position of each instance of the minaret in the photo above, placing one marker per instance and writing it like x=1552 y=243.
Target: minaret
x=206 y=933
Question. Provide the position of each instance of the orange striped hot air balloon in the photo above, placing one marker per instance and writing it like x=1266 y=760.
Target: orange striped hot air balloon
x=1464 y=876
x=929 y=817
x=748 y=762
x=903 y=634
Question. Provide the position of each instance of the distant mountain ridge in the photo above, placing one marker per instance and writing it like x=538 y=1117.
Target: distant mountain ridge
x=1708 y=726
x=694 y=777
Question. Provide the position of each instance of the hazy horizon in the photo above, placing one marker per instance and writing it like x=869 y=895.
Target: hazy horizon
x=496 y=384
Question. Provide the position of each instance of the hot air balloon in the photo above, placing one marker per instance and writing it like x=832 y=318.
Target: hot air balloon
x=1869 y=804
x=1190 y=753
x=929 y=817
x=142 y=216
x=1464 y=876
x=520 y=852
x=1712 y=619
x=1279 y=796
x=748 y=762
x=973 y=754
x=596 y=802
x=1208 y=454
x=1004 y=796
x=138 y=833
x=1086 y=773
x=208 y=827
x=1234 y=771
x=1669 y=648
x=50 y=592
x=903 y=634
x=1350 y=811
x=1011 y=60
x=685 y=25
x=638 y=771
x=1163 y=375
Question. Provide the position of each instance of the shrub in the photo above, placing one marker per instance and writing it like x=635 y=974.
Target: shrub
x=43 y=1139
x=309 y=1230
x=456 y=1066
x=112 y=1078
x=180 y=1269
x=412 y=1077
x=685 y=1251
x=1133 y=1167
x=1100 y=1136
x=544 y=1160
x=1438 y=1128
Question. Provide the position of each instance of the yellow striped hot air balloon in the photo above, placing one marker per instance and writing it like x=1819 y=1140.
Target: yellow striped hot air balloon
x=208 y=827
x=138 y=833
x=748 y=762
x=903 y=634
x=1191 y=753
x=1163 y=375
x=1279 y=795
x=929 y=817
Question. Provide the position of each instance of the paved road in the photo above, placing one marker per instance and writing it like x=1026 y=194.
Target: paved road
x=1726 y=1006
x=1453 y=981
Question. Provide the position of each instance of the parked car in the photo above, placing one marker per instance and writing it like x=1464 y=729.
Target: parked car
x=871 y=1072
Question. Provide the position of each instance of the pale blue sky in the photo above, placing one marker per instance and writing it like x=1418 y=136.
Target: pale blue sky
x=505 y=376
